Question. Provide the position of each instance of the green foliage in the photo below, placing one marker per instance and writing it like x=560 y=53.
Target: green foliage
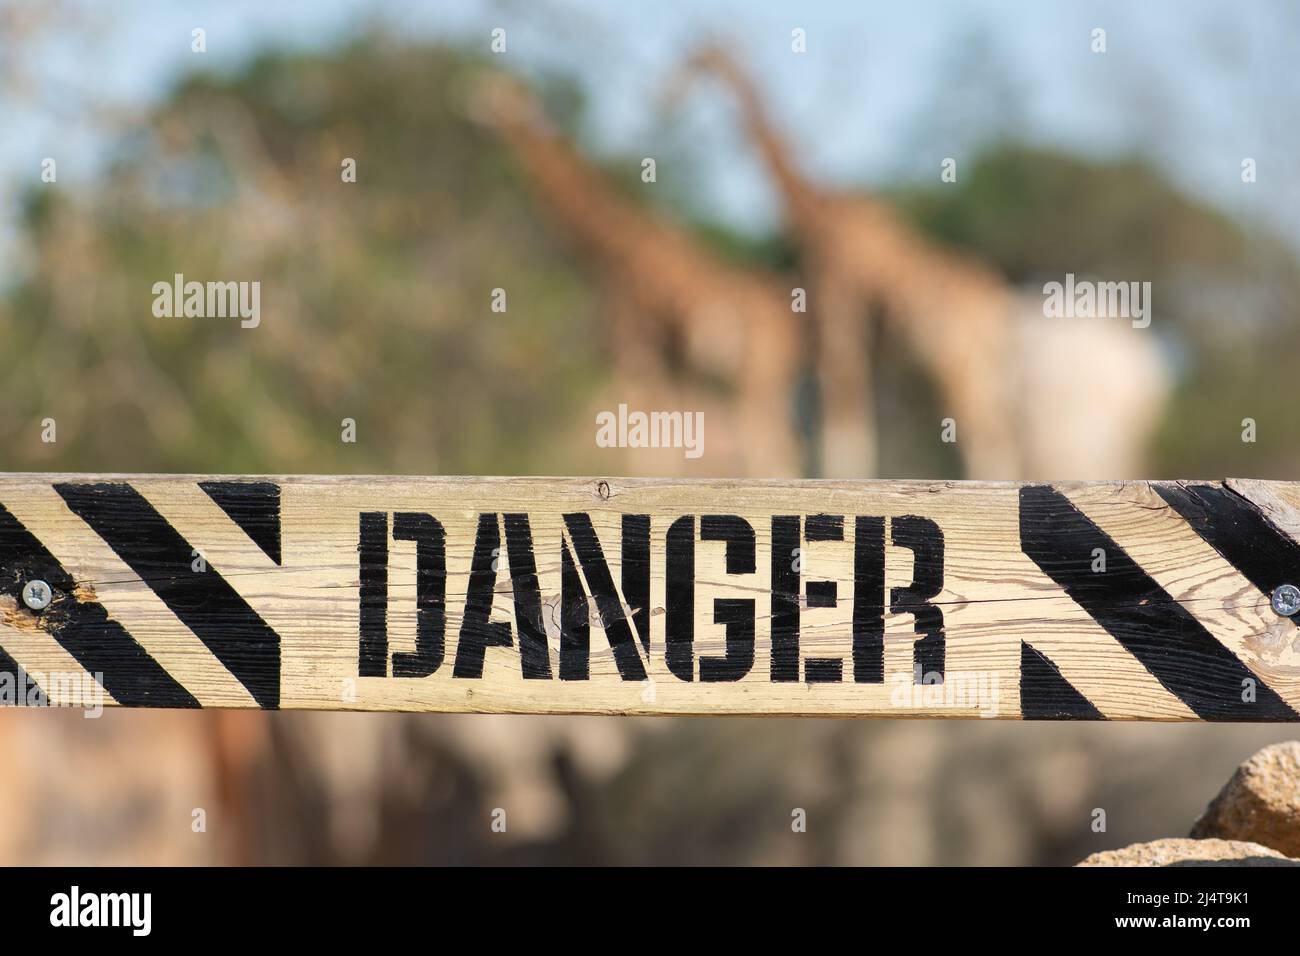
x=1037 y=214
x=375 y=295
x=1225 y=294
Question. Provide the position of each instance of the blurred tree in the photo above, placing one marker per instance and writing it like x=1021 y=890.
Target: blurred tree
x=1037 y=213
x=1226 y=292
x=376 y=295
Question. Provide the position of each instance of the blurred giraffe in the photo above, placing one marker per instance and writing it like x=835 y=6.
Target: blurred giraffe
x=678 y=311
x=863 y=259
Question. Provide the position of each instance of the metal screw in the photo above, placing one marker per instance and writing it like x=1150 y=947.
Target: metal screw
x=37 y=595
x=1286 y=599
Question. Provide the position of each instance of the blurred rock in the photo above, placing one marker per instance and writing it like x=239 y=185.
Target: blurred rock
x=1261 y=803
x=1178 y=851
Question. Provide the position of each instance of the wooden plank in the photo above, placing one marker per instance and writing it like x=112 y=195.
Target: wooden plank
x=1121 y=600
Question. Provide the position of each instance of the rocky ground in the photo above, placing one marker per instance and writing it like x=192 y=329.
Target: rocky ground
x=1254 y=821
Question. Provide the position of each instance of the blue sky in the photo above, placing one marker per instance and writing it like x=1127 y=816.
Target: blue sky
x=1195 y=86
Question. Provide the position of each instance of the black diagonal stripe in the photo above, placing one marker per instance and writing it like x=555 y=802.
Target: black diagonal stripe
x=1141 y=615
x=203 y=601
x=1239 y=532
x=83 y=628
x=1045 y=694
x=22 y=684
x=254 y=506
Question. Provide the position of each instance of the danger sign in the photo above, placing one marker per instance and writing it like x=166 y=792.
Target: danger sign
x=1148 y=600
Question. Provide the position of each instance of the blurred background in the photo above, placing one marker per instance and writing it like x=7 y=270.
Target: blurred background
x=522 y=168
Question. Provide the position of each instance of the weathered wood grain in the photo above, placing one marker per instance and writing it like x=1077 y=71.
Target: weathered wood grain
x=1123 y=600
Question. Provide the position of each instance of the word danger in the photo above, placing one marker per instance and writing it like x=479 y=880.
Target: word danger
x=624 y=611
